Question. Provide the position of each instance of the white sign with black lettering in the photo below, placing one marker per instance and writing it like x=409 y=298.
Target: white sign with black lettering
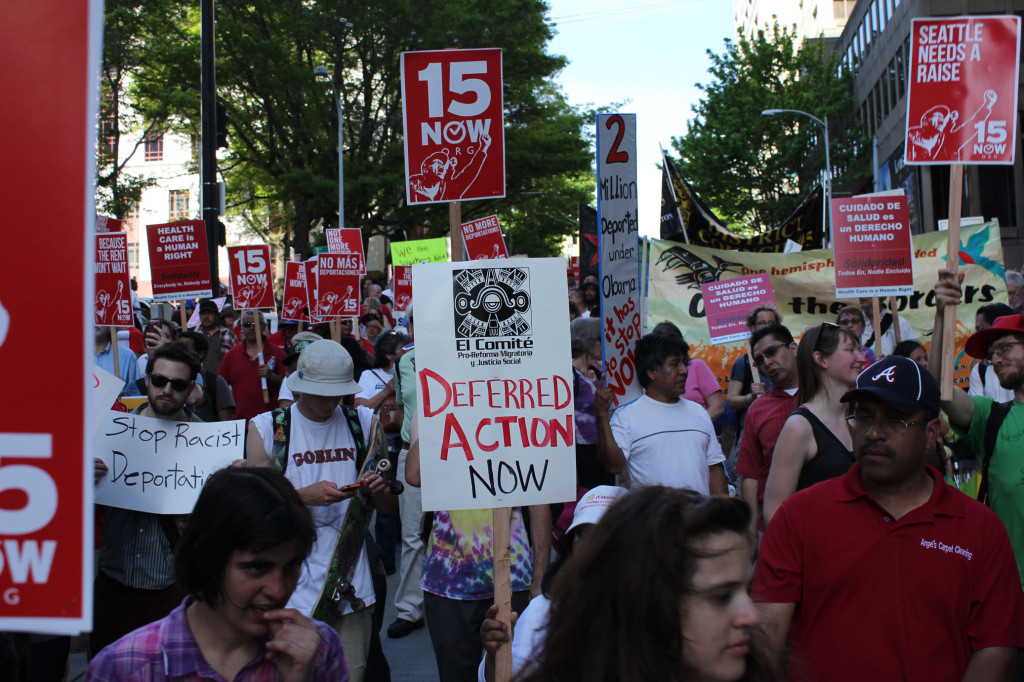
x=160 y=466
x=495 y=384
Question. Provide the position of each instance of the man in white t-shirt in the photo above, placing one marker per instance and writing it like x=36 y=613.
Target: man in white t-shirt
x=885 y=346
x=661 y=437
x=320 y=463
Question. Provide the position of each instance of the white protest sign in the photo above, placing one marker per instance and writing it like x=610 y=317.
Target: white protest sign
x=618 y=245
x=494 y=380
x=104 y=388
x=160 y=466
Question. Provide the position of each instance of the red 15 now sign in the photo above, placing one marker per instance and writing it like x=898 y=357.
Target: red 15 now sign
x=453 y=118
x=251 y=282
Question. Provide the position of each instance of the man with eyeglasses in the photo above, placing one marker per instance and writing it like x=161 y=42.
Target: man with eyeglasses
x=135 y=582
x=774 y=352
x=241 y=367
x=886 y=572
x=992 y=430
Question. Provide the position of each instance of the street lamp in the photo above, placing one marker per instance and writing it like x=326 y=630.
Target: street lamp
x=322 y=71
x=828 y=162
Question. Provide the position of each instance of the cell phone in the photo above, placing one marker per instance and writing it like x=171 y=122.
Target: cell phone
x=155 y=326
x=350 y=486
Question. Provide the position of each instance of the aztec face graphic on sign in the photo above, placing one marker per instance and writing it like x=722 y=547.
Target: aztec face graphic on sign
x=492 y=302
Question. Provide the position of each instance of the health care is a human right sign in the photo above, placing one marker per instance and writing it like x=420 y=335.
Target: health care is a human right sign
x=873 y=251
x=962 y=99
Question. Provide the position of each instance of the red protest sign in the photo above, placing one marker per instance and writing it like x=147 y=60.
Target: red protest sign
x=727 y=302
x=112 y=303
x=962 y=99
x=452 y=115
x=347 y=241
x=483 y=239
x=403 y=288
x=337 y=286
x=252 y=283
x=179 y=263
x=574 y=264
x=873 y=251
x=107 y=224
x=46 y=512
x=295 y=298
x=310 y=267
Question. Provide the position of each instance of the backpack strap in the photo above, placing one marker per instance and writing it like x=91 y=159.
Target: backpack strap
x=210 y=379
x=354 y=425
x=995 y=421
x=282 y=432
x=886 y=323
x=982 y=371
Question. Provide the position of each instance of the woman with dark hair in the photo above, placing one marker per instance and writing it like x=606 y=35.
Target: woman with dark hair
x=239 y=560
x=815 y=444
x=686 y=614
x=914 y=350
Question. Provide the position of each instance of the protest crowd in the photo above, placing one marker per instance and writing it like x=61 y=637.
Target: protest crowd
x=842 y=487
x=621 y=485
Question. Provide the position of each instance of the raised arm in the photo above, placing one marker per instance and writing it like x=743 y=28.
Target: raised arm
x=960 y=409
x=793 y=448
x=607 y=449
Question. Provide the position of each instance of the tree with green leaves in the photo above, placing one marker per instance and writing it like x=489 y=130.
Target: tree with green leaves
x=149 y=79
x=281 y=167
x=750 y=168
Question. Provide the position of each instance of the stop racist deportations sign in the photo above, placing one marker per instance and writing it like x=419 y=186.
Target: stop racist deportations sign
x=160 y=466
x=873 y=251
x=494 y=380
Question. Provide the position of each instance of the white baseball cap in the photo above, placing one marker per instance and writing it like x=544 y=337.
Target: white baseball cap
x=324 y=368
x=594 y=504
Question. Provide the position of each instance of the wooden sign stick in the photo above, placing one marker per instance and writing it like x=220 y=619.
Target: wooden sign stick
x=184 y=319
x=956 y=185
x=455 y=225
x=894 y=304
x=876 y=324
x=502 y=589
x=113 y=350
x=753 y=365
x=335 y=330
x=259 y=353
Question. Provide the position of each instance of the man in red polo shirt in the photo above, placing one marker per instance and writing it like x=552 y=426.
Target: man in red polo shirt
x=241 y=367
x=886 y=572
x=774 y=354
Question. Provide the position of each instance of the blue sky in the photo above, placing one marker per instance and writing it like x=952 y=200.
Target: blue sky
x=649 y=55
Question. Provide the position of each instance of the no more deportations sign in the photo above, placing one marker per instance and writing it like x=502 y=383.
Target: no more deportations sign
x=873 y=253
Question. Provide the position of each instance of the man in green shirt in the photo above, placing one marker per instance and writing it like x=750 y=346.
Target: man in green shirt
x=1003 y=345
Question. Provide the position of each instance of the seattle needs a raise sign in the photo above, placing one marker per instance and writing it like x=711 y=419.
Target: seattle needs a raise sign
x=494 y=380
x=962 y=100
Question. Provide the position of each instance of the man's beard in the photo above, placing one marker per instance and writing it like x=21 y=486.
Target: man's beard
x=1012 y=379
x=164 y=409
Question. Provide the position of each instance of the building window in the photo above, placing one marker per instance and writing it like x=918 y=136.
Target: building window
x=133 y=256
x=153 y=144
x=178 y=204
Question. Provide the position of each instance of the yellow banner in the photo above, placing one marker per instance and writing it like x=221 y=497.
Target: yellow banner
x=804 y=285
x=419 y=251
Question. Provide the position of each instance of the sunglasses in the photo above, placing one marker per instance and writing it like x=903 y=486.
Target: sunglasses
x=248 y=325
x=178 y=385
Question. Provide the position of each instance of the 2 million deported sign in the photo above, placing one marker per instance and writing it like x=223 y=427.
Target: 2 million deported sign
x=873 y=251
x=619 y=249
x=495 y=385
x=962 y=100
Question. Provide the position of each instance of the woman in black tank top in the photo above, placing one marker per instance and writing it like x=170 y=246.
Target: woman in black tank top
x=815 y=444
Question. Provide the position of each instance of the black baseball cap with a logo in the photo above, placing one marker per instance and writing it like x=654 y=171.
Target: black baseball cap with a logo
x=899 y=382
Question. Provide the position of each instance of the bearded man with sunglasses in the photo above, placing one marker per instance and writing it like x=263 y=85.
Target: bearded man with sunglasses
x=135 y=582
x=887 y=572
x=774 y=352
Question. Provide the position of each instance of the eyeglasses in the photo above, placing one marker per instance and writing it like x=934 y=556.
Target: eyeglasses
x=891 y=426
x=822 y=328
x=1002 y=349
x=850 y=321
x=768 y=354
x=178 y=385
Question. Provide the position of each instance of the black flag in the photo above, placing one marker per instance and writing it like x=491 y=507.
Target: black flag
x=589 y=253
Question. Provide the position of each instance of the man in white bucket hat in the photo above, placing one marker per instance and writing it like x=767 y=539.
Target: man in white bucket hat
x=318 y=444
